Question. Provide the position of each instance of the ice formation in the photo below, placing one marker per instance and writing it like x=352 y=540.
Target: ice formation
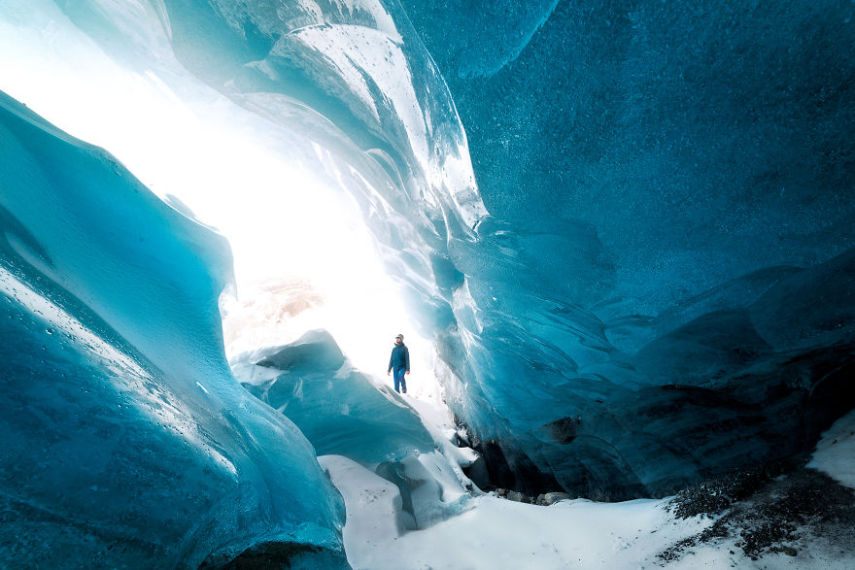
x=345 y=414
x=670 y=290
x=127 y=442
x=662 y=289
x=337 y=407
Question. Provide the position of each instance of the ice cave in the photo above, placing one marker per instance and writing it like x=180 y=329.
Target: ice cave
x=616 y=236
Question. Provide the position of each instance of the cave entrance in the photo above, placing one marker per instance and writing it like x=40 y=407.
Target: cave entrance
x=303 y=255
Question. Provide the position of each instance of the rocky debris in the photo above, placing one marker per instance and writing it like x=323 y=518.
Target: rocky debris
x=553 y=497
x=717 y=494
x=518 y=497
x=766 y=513
x=544 y=499
x=564 y=430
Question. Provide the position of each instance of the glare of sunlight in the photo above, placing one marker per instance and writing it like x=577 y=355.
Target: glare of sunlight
x=286 y=220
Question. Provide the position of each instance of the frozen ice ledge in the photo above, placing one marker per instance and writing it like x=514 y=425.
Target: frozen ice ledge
x=126 y=440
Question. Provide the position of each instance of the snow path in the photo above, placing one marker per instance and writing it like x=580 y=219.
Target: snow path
x=497 y=533
x=494 y=533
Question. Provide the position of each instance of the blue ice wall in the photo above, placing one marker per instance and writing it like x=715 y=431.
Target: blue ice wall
x=673 y=191
x=126 y=441
x=696 y=143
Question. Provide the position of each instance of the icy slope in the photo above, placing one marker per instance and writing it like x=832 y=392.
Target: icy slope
x=126 y=440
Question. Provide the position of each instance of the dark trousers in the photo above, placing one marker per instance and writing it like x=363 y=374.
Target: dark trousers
x=398 y=373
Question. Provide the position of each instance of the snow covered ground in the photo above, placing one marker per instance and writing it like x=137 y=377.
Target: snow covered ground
x=835 y=452
x=497 y=533
x=491 y=532
x=484 y=531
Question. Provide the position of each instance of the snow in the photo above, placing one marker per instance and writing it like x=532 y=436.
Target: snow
x=488 y=532
x=835 y=452
x=492 y=532
x=498 y=533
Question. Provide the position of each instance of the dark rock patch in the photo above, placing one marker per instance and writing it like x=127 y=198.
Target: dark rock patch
x=501 y=466
x=268 y=555
x=766 y=512
x=491 y=470
x=564 y=430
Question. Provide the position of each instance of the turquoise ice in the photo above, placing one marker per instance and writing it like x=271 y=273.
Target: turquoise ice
x=127 y=442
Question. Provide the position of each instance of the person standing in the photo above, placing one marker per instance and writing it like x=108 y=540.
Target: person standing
x=399 y=363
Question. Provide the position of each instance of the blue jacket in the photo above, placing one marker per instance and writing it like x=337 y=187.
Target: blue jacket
x=400 y=358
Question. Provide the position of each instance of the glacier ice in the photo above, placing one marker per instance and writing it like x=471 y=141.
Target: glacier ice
x=662 y=288
x=337 y=407
x=127 y=442
x=669 y=291
x=344 y=414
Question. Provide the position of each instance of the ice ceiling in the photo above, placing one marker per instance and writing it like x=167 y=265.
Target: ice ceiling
x=651 y=281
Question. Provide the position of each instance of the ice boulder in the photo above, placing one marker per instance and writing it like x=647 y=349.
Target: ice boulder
x=345 y=414
x=338 y=408
x=126 y=440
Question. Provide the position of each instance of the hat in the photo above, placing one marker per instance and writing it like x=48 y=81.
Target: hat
x=400 y=336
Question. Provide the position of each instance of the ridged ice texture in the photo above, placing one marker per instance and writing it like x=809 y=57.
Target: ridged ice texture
x=656 y=296
x=126 y=441
x=671 y=289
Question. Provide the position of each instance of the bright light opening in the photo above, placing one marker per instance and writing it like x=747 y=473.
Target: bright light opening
x=298 y=241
